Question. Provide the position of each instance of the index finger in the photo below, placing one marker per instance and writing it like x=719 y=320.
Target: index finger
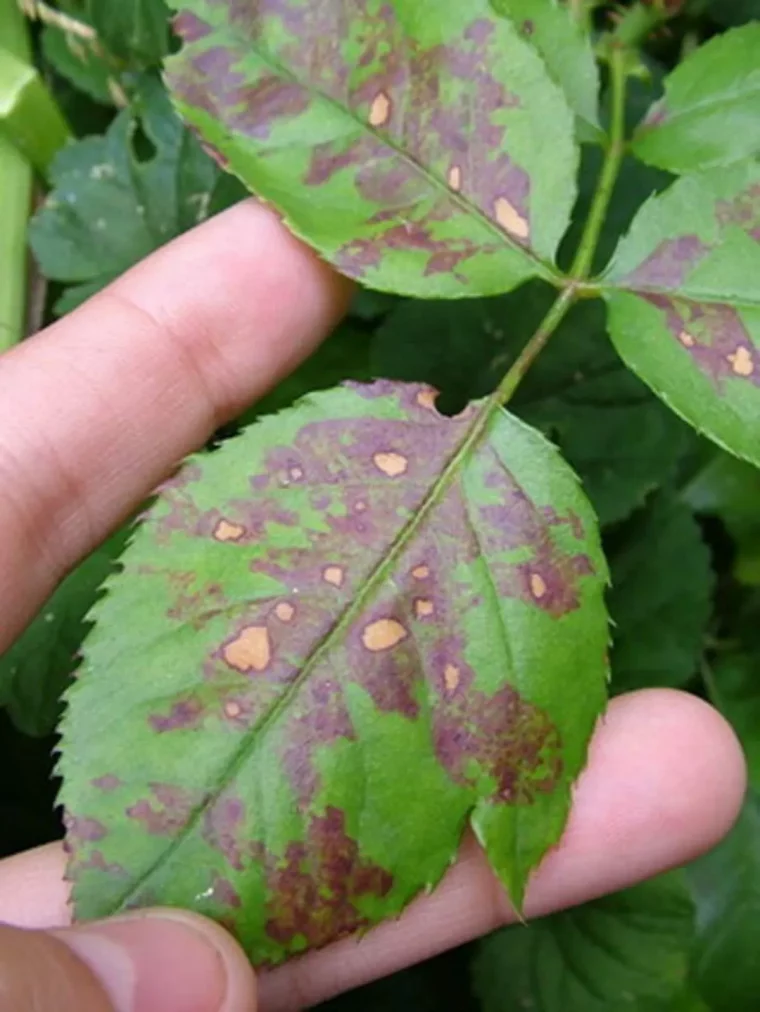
x=95 y=411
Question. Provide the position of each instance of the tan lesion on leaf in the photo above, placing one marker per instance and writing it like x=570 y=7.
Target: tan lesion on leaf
x=426 y=399
x=383 y=634
x=686 y=339
x=741 y=361
x=380 y=111
x=227 y=531
x=538 y=586
x=334 y=575
x=285 y=611
x=421 y=572
x=295 y=473
x=510 y=219
x=391 y=464
x=455 y=178
x=451 y=677
x=232 y=709
x=423 y=608
x=361 y=506
x=250 y=651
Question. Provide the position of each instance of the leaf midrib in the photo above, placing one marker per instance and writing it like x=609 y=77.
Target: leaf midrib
x=466 y=206
x=345 y=619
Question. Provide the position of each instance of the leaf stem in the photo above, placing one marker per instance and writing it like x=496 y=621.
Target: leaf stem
x=16 y=181
x=584 y=258
x=536 y=345
x=36 y=10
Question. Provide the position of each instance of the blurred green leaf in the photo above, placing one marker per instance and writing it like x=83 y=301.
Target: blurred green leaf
x=613 y=432
x=729 y=488
x=614 y=954
x=37 y=668
x=735 y=690
x=117 y=198
x=726 y=887
x=660 y=600
x=734 y=12
x=84 y=65
x=136 y=30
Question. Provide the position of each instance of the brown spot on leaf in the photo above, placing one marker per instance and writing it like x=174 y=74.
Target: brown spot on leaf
x=223 y=829
x=334 y=575
x=383 y=635
x=392 y=464
x=250 y=651
x=232 y=709
x=455 y=178
x=426 y=399
x=184 y=715
x=285 y=611
x=510 y=219
x=423 y=608
x=108 y=782
x=226 y=531
x=421 y=572
x=168 y=814
x=80 y=829
x=538 y=586
x=686 y=339
x=315 y=887
x=380 y=111
x=741 y=361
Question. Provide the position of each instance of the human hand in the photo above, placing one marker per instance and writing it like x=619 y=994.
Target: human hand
x=94 y=413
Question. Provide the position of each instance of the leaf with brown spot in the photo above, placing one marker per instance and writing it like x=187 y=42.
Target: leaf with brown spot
x=296 y=724
x=683 y=293
x=405 y=139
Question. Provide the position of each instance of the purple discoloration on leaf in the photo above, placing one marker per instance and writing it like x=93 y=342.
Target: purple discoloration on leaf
x=669 y=265
x=714 y=336
x=743 y=211
x=80 y=829
x=167 y=813
x=108 y=782
x=223 y=826
x=190 y=27
x=315 y=887
x=184 y=715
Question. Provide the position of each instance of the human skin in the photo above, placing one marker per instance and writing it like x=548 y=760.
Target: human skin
x=98 y=409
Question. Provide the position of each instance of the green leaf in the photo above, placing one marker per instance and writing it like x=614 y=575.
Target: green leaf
x=710 y=114
x=726 y=887
x=661 y=597
x=566 y=49
x=419 y=145
x=730 y=489
x=88 y=68
x=39 y=665
x=683 y=292
x=135 y=30
x=303 y=687
x=619 y=438
x=734 y=12
x=735 y=690
x=109 y=209
x=613 y=954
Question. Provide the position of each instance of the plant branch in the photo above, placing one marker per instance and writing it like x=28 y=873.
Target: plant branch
x=36 y=10
x=584 y=258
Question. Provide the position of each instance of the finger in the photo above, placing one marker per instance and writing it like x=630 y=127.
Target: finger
x=155 y=961
x=664 y=783
x=95 y=411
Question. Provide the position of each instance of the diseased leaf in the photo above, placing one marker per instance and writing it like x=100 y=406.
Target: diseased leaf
x=565 y=48
x=621 y=952
x=108 y=209
x=660 y=600
x=39 y=665
x=683 y=293
x=336 y=640
x=730 y=489
x=419 y=145
x=726 y=886
x=136 y=30
x=618 y=437
x=710 y=114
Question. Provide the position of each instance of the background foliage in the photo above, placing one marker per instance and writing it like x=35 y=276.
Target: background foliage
x=680 y=517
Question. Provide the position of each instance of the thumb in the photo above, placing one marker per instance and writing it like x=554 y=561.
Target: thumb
x=149 y=961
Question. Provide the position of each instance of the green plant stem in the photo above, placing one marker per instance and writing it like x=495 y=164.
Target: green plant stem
x=636 y=24
x=584 y=258
x=29 y=115
x=16 y=182
x=577 y=286
x=536 y=345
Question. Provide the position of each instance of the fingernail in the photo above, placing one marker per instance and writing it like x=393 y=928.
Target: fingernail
x=165 y=961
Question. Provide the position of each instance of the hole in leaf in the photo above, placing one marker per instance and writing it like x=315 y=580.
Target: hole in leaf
x=143 y=148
